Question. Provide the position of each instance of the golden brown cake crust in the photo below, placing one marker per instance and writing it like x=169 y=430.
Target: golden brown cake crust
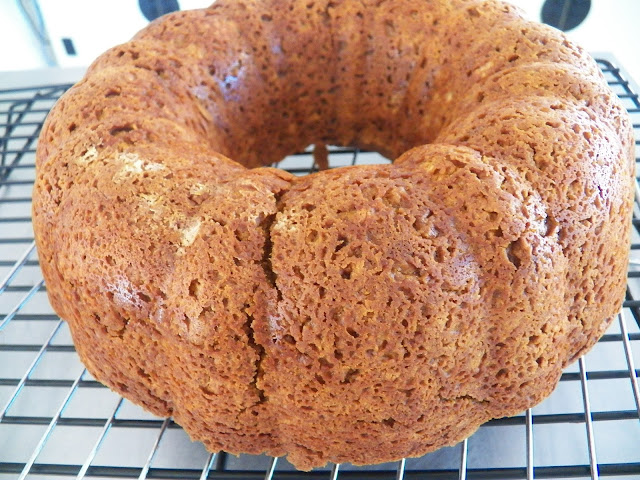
x=361 y=314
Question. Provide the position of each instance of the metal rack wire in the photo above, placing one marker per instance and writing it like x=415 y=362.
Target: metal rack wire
x=57 y=422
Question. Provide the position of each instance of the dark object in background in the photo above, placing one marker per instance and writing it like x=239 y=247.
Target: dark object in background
x=68 y=46
x=153 y=9
x=565 y=14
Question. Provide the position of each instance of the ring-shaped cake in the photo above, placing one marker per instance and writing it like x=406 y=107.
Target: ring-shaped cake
x=358 y=314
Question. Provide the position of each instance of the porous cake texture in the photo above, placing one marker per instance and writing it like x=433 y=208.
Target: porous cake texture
x=360 y=314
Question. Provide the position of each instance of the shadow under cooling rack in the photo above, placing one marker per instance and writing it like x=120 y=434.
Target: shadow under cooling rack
x=57 y=422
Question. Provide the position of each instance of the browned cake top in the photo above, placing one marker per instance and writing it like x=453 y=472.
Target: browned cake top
x=360 y=314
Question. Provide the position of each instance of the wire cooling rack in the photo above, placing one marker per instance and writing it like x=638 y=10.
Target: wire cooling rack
x=57 y=422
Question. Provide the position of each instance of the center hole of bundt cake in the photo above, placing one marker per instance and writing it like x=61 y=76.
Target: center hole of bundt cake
x=318 y=157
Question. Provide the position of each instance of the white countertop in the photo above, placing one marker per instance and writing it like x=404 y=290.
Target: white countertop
x=40 y=76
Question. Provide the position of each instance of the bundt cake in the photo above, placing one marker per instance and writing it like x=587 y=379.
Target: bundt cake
x=359 y=314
